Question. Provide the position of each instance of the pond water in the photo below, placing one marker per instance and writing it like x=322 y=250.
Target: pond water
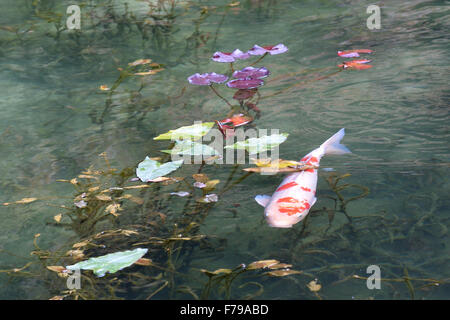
x=55 y=122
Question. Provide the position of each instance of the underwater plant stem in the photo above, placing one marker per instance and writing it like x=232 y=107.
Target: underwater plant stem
x=158 y=290
x=230 y=177
x=215 y=91
x=216 y=35
x=260 y=58
x=242 y=178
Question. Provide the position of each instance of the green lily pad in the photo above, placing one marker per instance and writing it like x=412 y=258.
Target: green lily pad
x=150 y=169
x=257 y=145
x=188 y=147
x=193 y=132
x=111 y=263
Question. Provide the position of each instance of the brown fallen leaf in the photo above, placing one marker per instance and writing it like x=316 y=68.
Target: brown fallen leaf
x=113 y=209
x=200 y=177
x=282 y=273
x=135 y=187
x=280 y=266
x=128 y=232
x=81 y=244
x=86 y=176
x=58 y=218
x=76 y=254
x=262 y=264
x=56 y=268
x=22 y=201
x=144 y=262
x=103 y=197
x=314 y=286
x=139 y=62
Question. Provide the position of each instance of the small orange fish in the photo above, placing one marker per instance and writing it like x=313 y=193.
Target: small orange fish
x=353 y=53
x=356 y=64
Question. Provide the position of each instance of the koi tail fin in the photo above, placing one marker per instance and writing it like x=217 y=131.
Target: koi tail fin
x=333 y=145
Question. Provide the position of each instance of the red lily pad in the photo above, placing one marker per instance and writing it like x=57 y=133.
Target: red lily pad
x=245 y=83
x=251 y=73
x=243 y=94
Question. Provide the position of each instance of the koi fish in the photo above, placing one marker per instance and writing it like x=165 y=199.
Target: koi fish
x=353 y=53
x=356 y=64
x=295 y=196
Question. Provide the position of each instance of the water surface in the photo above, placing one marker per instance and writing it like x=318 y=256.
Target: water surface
x=395 y=115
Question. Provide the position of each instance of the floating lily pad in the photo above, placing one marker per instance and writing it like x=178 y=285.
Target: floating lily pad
x=111 y=263
x=257 y=145
x=150 y=169
x=188 y=147
x=194 y=132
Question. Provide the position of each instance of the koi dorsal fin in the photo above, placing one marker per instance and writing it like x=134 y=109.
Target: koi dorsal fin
x=263 y=200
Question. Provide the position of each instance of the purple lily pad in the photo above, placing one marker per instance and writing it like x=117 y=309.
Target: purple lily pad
x=205 y=79
x=245 y=83
x=238 y=54
x=223 y=57
x=230 y=56
x=258 y=51
x=251 y=73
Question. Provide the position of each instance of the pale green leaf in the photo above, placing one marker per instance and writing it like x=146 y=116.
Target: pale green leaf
x=150 y=169
x=193 y=132
x=257 y=145
x=111 y=263
x=188 y=147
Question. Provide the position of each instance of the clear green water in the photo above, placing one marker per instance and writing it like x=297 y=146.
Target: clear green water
x=395 y=115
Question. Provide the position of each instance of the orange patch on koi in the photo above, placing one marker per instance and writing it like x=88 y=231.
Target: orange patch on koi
x=287 y=186
x=288 y=200
x=305 y=189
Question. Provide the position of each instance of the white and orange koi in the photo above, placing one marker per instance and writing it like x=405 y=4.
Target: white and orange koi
x=295 y=196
